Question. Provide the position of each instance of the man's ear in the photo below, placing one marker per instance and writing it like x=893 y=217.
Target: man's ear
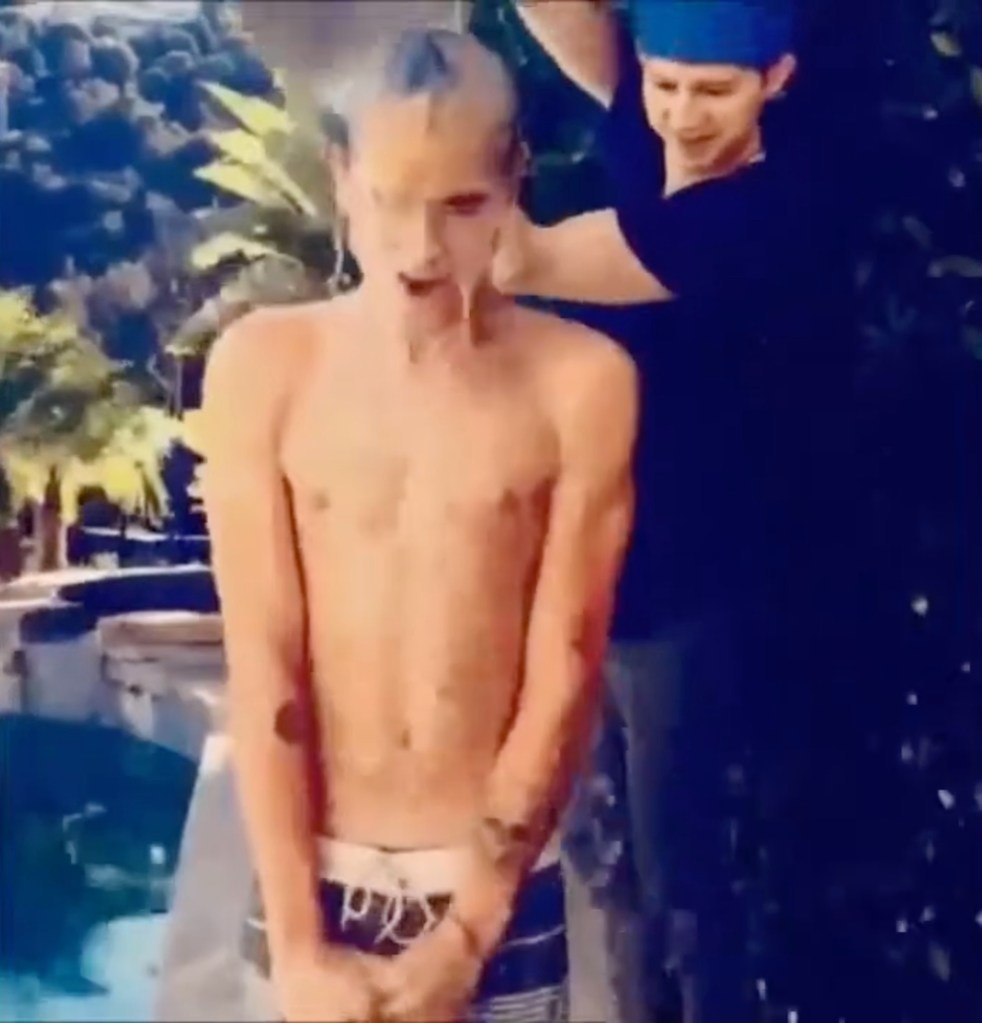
x=524 y=167
x=779 y=74
x=338 y=159
x=521 y=164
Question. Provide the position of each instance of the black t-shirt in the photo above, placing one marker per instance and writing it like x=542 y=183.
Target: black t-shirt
x=744 y=373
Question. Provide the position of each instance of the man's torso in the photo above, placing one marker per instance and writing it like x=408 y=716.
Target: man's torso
x=420 y=503
x=744 y=375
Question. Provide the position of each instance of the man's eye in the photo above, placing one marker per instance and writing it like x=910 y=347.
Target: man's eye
x=466 y=205
x=665 y=86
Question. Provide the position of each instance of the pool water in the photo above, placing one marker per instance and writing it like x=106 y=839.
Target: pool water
x=90 y=826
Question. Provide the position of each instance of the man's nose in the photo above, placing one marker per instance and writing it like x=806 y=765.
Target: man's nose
x=423 y=243
x=687 y=113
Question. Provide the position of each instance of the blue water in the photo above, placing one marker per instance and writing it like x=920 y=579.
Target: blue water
x=90 y=824
x=120 y=961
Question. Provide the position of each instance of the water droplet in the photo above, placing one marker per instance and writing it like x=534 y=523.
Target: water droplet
x=978 y=918
x=792 y=1016
x=957 y=177
x=966 y=668
x=928 y=915
x=920 y=606
x=902 y=926
x=947 y=799
x=940 y=961
x=158 y=855
x=930 y=113
x=762 y=989
x=907 y=753
x=912 y=699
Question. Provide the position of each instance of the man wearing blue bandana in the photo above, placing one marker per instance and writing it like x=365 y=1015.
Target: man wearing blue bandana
x=737 y=189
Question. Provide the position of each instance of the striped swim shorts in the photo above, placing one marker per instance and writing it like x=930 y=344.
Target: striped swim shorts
x=379 y=902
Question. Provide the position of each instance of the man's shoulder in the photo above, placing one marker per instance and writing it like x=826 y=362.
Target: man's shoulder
x=283 y=332
x=268 y=348
x=572 y=337
x=256 y=366
x=575 y=361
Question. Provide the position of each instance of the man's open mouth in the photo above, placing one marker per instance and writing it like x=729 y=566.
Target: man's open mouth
x=419 y=287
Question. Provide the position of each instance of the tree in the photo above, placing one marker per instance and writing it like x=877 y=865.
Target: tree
x=277 y=244
x=71 y=418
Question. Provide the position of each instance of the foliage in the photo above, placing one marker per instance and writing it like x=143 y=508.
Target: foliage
x=68 y=411
x=126 y=467
x=278 y=239
x=921 y=292
x=268 y=281
x=929 y=233
x=260 y=163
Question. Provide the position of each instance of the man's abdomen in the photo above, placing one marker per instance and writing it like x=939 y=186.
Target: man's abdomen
x=416 y=690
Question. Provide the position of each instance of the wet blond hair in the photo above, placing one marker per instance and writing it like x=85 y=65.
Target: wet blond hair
x=438 y=65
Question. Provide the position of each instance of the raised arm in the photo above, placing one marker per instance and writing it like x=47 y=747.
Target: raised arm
x=258 y=580
x=582 y=259
x=581 y=37
x=589 y=525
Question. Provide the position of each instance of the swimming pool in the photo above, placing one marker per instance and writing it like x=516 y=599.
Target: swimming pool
x=90 y=826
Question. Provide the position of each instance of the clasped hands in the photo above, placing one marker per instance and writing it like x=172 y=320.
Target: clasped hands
x=433 y=979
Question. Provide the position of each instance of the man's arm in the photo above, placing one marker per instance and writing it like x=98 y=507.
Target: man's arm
x=257 y=576
x=582 y=259
x=581 y=37
x=589 y=524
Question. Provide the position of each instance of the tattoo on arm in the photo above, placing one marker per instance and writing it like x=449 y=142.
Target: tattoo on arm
x=291 y=724
x=505 y=845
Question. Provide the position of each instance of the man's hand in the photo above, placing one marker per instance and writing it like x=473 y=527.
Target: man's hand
x=434 y=979
x=511 y=266
x=328 y=985
x=581 y=259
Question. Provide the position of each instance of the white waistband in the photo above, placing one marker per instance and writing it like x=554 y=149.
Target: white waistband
x=422 y=872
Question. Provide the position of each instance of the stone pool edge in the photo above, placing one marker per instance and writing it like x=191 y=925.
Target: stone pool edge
x=155 y=674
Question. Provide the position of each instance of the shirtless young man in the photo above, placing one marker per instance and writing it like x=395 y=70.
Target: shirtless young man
x=419 y=495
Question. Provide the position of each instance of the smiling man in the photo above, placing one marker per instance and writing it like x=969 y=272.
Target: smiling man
x=417 y=529
x=737 y=182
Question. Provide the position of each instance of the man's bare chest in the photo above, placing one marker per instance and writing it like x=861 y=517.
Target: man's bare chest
x=378 y=463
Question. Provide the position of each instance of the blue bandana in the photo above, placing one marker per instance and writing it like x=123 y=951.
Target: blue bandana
x=749 y=33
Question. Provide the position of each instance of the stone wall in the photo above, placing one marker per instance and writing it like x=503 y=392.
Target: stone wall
x=157 y=674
